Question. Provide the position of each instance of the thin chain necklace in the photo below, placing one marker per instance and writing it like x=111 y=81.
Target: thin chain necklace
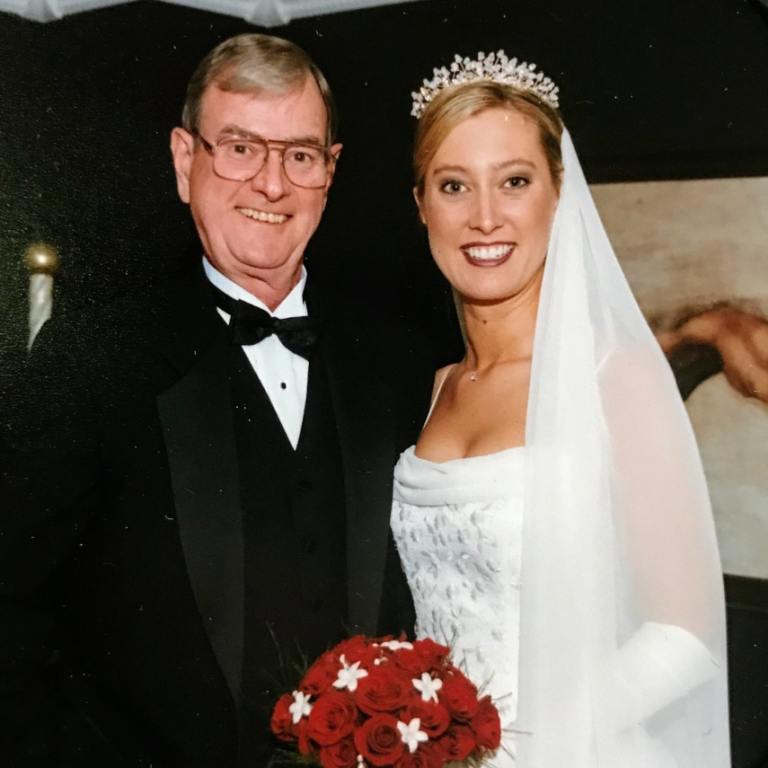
x=474 y=375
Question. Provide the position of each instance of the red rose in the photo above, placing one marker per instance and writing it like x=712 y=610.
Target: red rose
x=340 y=755
x=379 y=741
x=281 y=723
x=457 y=743
x=432 y=654
x=434 y=717
x=357 y=648
x=487 y=725
x=459 y=695
x=385 y=689
x=304 y=747
x=321 y=675
x=426 y=756
x=332 y=718
x=409 y=661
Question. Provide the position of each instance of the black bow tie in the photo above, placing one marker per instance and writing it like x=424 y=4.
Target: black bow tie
x=250 y=325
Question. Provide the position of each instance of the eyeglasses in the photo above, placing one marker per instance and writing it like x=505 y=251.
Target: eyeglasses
x=239 y=159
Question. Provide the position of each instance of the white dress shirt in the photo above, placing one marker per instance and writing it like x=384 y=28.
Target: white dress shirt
x=282 y=373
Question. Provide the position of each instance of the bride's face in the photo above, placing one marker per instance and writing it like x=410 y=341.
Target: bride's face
x=488 y=204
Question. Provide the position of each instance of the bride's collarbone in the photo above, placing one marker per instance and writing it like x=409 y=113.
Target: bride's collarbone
x=484 y=401
x=478 y=414
x=504 y=372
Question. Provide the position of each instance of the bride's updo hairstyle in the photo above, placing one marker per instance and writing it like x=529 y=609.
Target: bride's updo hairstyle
x=453 y=105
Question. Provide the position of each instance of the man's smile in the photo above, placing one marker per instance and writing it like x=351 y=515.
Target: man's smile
x=263 y=216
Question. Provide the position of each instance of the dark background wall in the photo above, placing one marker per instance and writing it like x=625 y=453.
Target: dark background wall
x=649 y=90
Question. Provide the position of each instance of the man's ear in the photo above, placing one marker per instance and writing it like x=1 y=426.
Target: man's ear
x=182 y=151
x=335 y=150
x=417 y=196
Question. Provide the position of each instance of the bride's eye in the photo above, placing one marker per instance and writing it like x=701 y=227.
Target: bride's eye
x=516 y=182
x=452 y=187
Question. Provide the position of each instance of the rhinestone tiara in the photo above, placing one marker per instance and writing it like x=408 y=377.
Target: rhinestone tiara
x=493 y=66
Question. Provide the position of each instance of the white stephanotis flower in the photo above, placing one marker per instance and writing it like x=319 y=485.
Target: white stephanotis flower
x=300 y=706
x=427 y=686
x=411 y=735
x=348 y=675
x=396 y=645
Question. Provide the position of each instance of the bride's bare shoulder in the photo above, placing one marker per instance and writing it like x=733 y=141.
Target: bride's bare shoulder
x=441 y=374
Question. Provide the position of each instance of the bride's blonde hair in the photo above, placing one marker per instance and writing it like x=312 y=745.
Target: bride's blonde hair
x=454 y=105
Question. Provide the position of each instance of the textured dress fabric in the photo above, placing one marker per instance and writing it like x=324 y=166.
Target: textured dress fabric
x=458 y=528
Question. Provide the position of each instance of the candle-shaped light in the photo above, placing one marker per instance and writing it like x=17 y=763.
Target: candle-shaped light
x=41 y=261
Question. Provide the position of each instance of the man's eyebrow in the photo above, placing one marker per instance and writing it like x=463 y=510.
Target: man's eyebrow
x=236 y=130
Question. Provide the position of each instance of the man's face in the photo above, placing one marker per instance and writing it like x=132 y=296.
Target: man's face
x=253 y=231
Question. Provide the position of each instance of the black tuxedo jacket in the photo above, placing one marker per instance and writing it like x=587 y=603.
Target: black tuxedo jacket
x=122 y=593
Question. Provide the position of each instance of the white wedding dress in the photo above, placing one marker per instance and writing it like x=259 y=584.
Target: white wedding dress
x=458 y=528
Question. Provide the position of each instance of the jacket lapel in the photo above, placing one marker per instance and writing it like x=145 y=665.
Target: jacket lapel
x=197 y=421
x=367 y=440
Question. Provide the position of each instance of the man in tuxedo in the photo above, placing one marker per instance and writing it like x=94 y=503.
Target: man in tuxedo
x=203 y=485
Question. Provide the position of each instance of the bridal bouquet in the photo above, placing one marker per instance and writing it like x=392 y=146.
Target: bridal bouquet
x=387 y=703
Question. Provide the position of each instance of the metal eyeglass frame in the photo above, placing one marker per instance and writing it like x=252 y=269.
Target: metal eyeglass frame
x=270 y=144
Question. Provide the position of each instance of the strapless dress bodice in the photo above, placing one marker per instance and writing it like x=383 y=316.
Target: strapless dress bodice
x=458 y=529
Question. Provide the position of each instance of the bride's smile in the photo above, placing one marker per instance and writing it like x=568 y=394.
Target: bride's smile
x=487 y=254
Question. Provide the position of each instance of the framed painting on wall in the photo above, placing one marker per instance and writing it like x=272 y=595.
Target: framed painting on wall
x=695 y=254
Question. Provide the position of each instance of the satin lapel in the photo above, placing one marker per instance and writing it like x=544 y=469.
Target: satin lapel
x=367 y=440
x=197 y=421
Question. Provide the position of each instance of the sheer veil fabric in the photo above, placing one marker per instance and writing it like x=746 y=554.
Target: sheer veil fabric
x=622 y=647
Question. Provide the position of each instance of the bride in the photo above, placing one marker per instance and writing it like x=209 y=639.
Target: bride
x=553 y=518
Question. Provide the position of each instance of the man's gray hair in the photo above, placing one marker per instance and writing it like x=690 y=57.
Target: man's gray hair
x=255 y=62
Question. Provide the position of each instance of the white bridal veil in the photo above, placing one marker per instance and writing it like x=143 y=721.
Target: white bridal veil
x=622 y=648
